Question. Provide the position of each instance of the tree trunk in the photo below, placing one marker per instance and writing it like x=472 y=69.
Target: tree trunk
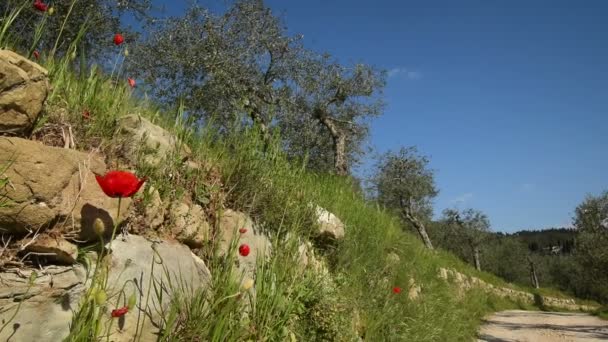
x=339 y=138
x=420 y=228
x=477 y=258
x=533 y=276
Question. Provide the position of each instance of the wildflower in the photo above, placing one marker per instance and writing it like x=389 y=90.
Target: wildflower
x=98 y=226
x=243 y=230
x=120 y=312
x=131 y=82
x=118 y=39
x=396 y=290
x=119 y=183
x=244 y=250
x=36 y=54
x=86 y=114
x=247 y=284
x=40 y=6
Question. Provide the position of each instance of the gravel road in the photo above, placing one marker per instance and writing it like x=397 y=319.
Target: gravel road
x=538 y=326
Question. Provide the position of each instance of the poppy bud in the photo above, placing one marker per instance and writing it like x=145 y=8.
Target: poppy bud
x=243 y=230
x=119 y=312
x=131 y=302
x=247 y=284
x=101 y=297
x=51 y=10
x=33 y=277
x=98 y=227
x=126 y=52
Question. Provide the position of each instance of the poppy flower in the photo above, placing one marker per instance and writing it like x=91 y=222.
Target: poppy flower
x=36 y=54
x=119 y=183
x=131 y=82
x=120 y=312
x=86 y=114
x=118 y=39
x=40 y=6
x=244 y=250
x=243 y=230
x=396 y=290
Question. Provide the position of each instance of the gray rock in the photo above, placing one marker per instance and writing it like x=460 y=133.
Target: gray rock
x=24 y=87
x=330 y=226
x=155 y=142
x=176 y=270
x=56 y=249
x=189 y=224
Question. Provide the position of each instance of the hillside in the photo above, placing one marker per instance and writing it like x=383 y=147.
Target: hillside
x=362 y=276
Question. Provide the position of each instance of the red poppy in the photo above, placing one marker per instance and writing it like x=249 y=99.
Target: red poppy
x=36 y=54
x=118 y=39
x=396 y=290
x=131 y=82
x=120 y=312
x=243 y=230
x=86 y=114
x=41 y=6
x=119 y=183
x=244 y=250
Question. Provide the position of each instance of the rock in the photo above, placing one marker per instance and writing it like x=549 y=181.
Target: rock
x=46 y=312
x=189 y=224
x=154 y=141
x=177 y=271
x=154 y=213
x=392 y=258
x=330 y=226
x=24 y=87
x=230 y=223
x=443 y=273
x=414 y=290
x=60 y=250
x=44 y=192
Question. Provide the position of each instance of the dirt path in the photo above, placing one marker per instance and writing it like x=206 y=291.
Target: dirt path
x=538 y=326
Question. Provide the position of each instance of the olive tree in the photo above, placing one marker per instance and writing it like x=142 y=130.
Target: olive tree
x=591 y=250
x=472 y=226
x=334 y=104
x=404 y=183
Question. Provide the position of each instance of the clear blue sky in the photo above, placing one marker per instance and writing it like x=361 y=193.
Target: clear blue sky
x=509 y=99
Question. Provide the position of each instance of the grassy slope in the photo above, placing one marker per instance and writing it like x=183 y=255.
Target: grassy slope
x=305 y=305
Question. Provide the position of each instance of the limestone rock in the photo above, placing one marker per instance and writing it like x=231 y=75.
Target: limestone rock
x=330 y=226
x=45 y=192
x=46 y=312
x=176 y=271
x=54 y=248
x=24 y=87
x=230 y=223
x=155 y=210
x=189 y=224
x=142 y=136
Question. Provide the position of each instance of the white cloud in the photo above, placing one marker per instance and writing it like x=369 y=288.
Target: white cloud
x=462 y=199
x=404 y=72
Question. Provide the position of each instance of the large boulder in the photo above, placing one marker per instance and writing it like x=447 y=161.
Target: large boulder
x=142 y=267
x=23 y=89
x=43 y=308
x=231 y=223
x=154 y=142
x=53 y=187
x=136 y=266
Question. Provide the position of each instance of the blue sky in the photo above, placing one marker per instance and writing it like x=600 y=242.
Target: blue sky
x=508 y=99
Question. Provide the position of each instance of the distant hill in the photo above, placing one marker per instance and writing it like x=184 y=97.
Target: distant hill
x=547 y=241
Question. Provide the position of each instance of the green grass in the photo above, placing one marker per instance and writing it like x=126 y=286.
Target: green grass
x=242 y=172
